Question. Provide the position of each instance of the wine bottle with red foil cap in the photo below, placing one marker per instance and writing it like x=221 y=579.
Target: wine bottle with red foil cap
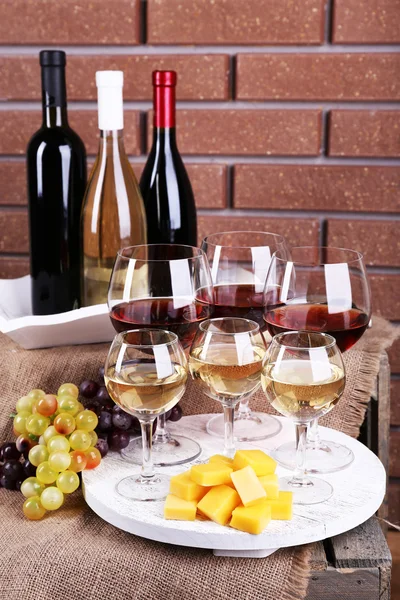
x=165 y=185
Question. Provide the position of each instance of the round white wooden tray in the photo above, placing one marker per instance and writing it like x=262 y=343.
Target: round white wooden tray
x=358 y=492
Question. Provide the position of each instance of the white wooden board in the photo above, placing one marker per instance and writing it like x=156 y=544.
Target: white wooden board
x=358 y=492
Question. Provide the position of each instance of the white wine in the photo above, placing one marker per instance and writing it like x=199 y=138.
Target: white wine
x=219 y=373
x=303 y=389
x=138 y=388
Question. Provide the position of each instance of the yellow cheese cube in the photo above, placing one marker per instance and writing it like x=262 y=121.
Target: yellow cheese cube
x=220 y=458
x=282 y=507
x=252 y=519
x=211 y=474
x=178 y=509
x=184 y=487
x=270 y=485
x=261 y=462
x=219 y=503
x=248 y=486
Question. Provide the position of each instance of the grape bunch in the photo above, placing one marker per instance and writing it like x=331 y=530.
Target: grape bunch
x=115 y=426
x=56 y=440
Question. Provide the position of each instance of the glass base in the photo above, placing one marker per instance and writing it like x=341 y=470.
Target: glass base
x=314 y=492
x=329 y=457
x=136 y=487
x=251 y=427
x=177 y=450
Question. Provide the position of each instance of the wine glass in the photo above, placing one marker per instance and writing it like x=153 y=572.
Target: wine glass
x=303 y=378
x=166 y=286
x=318 y=289
x=225 y=359
x=238 y=272
x=145 y=374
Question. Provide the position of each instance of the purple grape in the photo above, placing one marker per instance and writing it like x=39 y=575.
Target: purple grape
x=121 y=419
x=23 y=444
x=118 y=440
x=102 y=394
x=168 y=414
x=88 y=388
x=101 y=373
x=8 y=484
x=102 y=435
x=18 y=484
x=102 y=447
x=136 y=426
x=12 y=469
x=95 y=407
x=29 y=469
x=10 y=451
x=176 y=413
x=105 y=421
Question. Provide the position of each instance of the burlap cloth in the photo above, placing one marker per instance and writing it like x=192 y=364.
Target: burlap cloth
x=74 y=555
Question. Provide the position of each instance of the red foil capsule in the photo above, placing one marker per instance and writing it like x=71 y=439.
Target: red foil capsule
x=164 y=83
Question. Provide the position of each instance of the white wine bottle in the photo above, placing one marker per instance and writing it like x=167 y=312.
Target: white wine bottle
x=113 y=214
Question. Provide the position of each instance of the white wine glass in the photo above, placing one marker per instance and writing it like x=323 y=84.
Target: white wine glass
x=239 y=262
x=145 y=374
x=225 y=360
x=303 y=377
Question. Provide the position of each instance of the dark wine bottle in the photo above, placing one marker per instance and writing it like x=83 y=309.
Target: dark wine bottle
x=165 y=185
x=56 y=166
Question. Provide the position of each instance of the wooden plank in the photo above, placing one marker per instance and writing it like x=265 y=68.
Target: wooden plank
x=318 y=560
x=344 y=584
x=384 y=424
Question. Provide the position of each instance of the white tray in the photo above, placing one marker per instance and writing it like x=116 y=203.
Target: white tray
x=87 y=325
x=358 y=493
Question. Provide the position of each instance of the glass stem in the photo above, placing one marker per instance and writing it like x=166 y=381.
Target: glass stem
x=244 y=410
x=313 y=437
x=161 y=434
x=147 y=461
x=299 y=476
x=229 y=417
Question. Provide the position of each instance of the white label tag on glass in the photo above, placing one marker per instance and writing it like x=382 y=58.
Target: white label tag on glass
x=244 y=349
x=163 y=362
x=261 y=260
x=338 y=287
x=181 y=282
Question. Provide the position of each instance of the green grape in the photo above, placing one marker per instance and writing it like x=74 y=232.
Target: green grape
x=64 y=423
x=58 y=443
x=36 y=394
x=24 y=403
x=45 y=473
x=86 y=420
x=19 y=422
x=50 y=432
x=33 y=508
x=68 y=389
x=32 y=487
x=80 y=440
x=94 y=438
x=59 y=461
x=68 y=404
x=38 y=454
x=52 y=498
x=37 y=424
x=42 y=441
x=67 y=482
x=47 y=405
x=80 y=407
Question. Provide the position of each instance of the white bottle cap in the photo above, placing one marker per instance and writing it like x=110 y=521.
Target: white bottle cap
x=109 y=99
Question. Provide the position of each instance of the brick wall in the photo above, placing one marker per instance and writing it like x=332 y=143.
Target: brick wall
x=288 y=118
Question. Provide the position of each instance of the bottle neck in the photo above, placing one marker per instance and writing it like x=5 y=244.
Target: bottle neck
x=111 y=143
x=54 y=97
x=164 y=133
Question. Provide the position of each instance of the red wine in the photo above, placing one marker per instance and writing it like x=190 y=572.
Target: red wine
x=165 y=185
x=346 y=327
x=56 y=165
x=172 y=314
x=239 y=300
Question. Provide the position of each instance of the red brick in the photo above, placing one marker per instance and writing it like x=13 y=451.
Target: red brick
x=394 y=356
x=298 y=231
x=12 y=183
x=318 y=77
x=385 y=295
x=17 y=126
x=235 y=22
x=378 y=241
x=394 y=504
x=364 y=133
x=69 y=22
x=14 y=231
x=13 y=267
x=261 y=132
x=394 y=454
x=366 y=22
x=200 y=76
x=309 y=187
x=395 y=402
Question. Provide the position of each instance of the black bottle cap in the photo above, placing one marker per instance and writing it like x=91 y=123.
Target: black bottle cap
x=52 y=58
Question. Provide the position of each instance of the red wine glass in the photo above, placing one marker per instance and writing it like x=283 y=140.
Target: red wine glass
x=164 y=286
x=239 y=269
x=318 y=289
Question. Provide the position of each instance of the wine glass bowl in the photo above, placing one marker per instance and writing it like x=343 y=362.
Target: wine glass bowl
x=145 y=375
x=225 y=360
x=303 y=378
x=239 y=264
